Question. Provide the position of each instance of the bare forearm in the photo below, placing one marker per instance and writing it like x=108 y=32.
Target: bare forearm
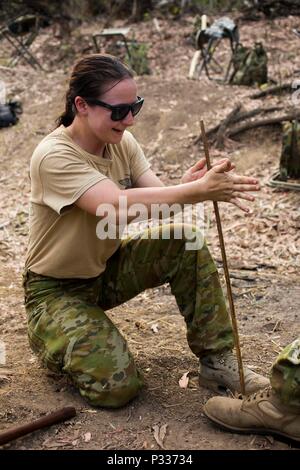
x=188 y=193
x=155 y=202
x=217 y=185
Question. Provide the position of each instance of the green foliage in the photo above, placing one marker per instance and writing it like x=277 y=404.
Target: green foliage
x=138 y=57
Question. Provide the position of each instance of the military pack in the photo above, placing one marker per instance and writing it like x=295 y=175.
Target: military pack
x=290 y=154
x=249 y=65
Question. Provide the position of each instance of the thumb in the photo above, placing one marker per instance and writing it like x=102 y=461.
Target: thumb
x=222 y=167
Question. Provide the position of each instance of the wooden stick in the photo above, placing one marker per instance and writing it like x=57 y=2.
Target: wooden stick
x=52 y=418
x=226 y=271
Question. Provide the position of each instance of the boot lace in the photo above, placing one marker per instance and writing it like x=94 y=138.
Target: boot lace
x=264 y=393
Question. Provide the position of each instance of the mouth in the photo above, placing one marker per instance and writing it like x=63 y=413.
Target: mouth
x=118 y=131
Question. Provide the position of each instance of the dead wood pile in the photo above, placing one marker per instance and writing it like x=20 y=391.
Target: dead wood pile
x=240 y=120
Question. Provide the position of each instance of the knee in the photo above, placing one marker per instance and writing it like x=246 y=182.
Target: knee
x=109 y=392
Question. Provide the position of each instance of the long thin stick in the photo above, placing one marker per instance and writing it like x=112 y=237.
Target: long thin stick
x=52 y=418
x=226 y=272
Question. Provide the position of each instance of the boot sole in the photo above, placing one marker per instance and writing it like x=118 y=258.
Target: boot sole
x=272 y=432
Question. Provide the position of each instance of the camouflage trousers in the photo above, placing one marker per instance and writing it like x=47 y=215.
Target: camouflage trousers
x=285 y=374
x=70 y=331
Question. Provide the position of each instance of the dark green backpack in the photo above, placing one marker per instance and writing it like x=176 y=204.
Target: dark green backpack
x=249 y=65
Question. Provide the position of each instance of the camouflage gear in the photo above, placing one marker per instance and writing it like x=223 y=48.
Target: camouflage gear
x=249 y=65
x=69 y=330
x=285 y=374
x=290 y=153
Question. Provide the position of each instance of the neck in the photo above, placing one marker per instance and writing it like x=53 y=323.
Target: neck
x=85 y=138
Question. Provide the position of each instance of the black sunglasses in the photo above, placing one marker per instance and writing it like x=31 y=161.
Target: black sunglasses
x=119 y=111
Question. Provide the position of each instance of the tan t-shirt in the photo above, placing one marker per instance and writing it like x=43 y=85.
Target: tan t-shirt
x=62 y=238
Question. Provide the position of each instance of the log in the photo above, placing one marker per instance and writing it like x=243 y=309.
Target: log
x=241 y=116
x=254 y=112
x=52 y=418
x=274 y=90
x=263 y=122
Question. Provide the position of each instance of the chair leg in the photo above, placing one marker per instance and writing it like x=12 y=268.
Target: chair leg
x=23 y=51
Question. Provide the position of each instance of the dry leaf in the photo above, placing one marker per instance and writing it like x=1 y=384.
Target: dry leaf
x=3 y=378
x=145 y=445
x=53 y=445
x=159 y=434
x=87 y=437
x=4 y=375
x=184 y=381
x=154 y=327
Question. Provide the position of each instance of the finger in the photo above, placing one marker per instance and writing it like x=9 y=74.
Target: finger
x=247 y=197
x=222 y=161
x=218 y=162
x=246 y=187
x=221 y=168
x=244 y=179
x=238 y=204
x=199 y=165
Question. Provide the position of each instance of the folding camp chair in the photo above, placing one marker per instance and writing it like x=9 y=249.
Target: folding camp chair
x=208 y=44
x=117 y=35
x=20 y=32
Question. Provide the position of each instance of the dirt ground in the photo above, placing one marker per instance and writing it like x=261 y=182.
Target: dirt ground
x=262 y=247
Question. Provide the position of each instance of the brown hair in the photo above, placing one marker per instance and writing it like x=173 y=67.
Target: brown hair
x=90 y=76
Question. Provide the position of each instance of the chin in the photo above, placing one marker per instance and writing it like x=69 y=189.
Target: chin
x=115 y=137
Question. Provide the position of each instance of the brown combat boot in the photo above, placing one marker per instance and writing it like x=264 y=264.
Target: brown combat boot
x=219 y=372
x=259 y=413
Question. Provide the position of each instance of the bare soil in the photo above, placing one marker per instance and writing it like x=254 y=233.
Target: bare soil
x=262 y=248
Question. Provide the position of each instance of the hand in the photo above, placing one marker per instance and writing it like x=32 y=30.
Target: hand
x=229 y=187
x=198 y=170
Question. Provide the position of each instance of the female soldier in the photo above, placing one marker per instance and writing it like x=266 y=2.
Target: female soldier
x=72 y=275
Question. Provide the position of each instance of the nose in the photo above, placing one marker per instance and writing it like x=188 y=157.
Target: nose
x=128 y=119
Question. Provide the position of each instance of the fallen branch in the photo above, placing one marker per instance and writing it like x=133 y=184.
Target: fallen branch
x=224 y=124
x=241 y=116
x=52 y=418
x=263 y=122
x=274 y=90
x=254 y=112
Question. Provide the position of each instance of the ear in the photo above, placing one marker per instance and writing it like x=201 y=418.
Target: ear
x=81 y=105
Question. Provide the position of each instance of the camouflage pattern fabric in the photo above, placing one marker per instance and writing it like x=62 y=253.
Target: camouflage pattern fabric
x=285 y=374
x=290 y=153
x=250 y=65
x=69 y=330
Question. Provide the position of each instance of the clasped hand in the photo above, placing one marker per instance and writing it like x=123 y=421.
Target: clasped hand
x=221 y=184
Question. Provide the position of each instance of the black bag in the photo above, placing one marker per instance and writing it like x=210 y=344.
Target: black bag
x=9 y=113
